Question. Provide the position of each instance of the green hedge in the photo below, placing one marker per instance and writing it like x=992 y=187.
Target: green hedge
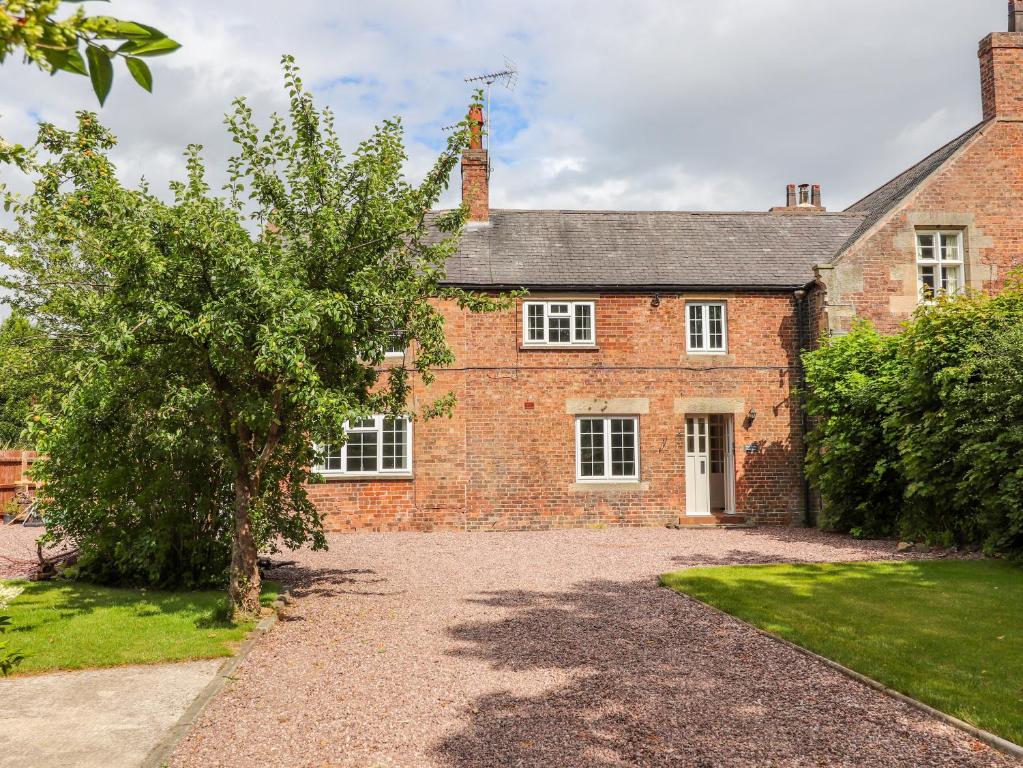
x=921 y=434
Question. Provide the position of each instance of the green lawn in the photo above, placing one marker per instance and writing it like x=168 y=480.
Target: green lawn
x=73 y=625
x=948 y=633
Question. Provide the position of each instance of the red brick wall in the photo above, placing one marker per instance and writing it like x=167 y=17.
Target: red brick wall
x=980 y=192
x=506 y=459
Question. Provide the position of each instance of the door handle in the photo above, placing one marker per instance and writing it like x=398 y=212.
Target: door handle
x=703 y=467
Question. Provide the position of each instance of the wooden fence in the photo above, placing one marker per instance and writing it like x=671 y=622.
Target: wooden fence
x=14 y=473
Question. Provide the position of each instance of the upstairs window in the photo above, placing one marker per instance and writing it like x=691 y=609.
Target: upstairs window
x=706 y=327
x=396 y=344
x=607 y=448
x=558 y=323
x=939 y=264
x=378 y=445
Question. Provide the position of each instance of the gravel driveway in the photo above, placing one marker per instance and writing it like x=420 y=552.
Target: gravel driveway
x=548 y=649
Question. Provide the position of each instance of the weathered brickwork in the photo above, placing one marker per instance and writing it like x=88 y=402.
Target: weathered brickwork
x=979 y=192
x=506 y=459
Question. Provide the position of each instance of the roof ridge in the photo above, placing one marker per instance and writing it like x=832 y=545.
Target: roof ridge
x=876 y=205
x=963 y=137
x=647 y=212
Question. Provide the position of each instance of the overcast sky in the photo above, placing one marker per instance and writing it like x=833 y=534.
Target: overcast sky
x=636 y=104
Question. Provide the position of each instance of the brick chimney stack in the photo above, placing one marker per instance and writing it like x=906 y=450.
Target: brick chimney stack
x=802 y=198
x=476 y=170
x=1001 y=69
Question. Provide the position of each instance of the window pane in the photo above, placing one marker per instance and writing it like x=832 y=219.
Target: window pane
x=623 y=447
x=927 y=282
x=560 y=329
x=534 y=317
x=362 y=452
x=701 y=433
x=716 y=326
x=696 y=326
x=950 y=279
x=717 y=445
x=396 y=343
x=395 y=437
x=690 y=436
x=950 y=247
x=332 y=458
x=925 y=247
x=591 y=448
x=583 y=322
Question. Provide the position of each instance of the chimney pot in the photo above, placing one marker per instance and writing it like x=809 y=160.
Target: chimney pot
x=1016 y=15
x=476 y=170
x=804 y=194
x=790 y=196
x=815 y=196
x=476 y=127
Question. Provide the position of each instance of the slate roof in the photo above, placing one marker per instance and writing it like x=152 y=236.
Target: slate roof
x=656 y=250
x=882 y=200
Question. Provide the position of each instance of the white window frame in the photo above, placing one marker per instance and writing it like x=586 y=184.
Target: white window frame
x=573 y=325
x=706 y=349
x=607 y=477
x=938 y=262
x=378 y=428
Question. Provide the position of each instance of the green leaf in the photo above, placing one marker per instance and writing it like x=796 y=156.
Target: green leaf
x=101 y=71
x=140 y=71
x=65 y=60
x=109 y=28
x=157 y=47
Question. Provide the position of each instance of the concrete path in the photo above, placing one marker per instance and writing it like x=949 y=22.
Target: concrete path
x=104 y=718
x=548 y=650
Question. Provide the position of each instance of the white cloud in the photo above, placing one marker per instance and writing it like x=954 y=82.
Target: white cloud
x=648 y=104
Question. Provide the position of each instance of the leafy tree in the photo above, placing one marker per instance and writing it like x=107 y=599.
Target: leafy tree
x=24 y=377
x=237 y=331
x=56 y=45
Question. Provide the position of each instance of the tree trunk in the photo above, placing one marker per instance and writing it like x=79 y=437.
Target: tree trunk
x=244 y=584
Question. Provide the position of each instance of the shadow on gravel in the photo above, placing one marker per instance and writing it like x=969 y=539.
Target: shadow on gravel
x=329 y=582
x=732 y=557
x=656 y=679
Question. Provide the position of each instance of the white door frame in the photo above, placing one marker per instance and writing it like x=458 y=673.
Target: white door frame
x=697 y=464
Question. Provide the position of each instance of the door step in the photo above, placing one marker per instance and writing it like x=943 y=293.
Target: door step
x=713 y=522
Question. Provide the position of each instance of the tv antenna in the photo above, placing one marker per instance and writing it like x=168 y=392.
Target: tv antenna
x=508 y=77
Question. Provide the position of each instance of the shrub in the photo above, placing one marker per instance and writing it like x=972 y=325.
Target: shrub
x=920 y=433
x=852 y=381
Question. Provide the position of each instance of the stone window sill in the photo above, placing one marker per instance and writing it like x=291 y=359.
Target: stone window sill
x=627 y=487
x=558 y=348
x=340 y=477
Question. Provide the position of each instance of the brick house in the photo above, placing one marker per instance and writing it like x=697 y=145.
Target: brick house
x=649 y=375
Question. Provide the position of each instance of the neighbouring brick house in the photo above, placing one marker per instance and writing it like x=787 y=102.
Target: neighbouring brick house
x=649 y=376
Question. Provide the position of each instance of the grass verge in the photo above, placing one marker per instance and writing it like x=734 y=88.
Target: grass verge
x=74 y=625
x=943 y=632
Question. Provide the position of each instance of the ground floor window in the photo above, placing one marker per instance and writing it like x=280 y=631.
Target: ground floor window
x=378 y=445
x=607 y=448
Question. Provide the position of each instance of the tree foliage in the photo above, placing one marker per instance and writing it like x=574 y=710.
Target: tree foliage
x=920 y=433
x=57 y=45
x=215 y=339
x=26 y=377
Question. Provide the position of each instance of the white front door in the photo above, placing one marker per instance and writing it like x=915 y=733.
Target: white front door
x=697 y=466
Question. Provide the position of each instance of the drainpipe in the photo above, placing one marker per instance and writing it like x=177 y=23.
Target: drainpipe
x=802 y=328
